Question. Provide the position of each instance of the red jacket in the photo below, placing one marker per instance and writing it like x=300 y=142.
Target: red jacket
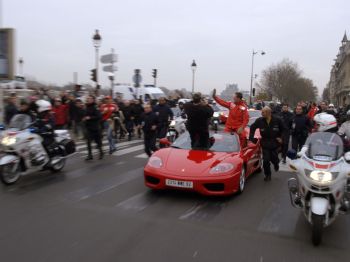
x=61 y=114
x=238 y=113
x=107 y=110
x=313 y=110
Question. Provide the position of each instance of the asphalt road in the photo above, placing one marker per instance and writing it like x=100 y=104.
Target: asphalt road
x=101 y=211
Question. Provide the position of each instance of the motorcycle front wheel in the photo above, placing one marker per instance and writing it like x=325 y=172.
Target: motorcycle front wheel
x=10 y=173
x=317 y=229
x=57 y=164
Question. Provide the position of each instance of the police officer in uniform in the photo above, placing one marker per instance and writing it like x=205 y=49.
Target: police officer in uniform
x=271 y=130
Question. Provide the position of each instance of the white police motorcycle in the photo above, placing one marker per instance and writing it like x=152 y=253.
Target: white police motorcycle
x=22 y=151
x=322 y=186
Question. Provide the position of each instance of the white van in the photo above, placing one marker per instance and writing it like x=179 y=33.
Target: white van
x=146 y=92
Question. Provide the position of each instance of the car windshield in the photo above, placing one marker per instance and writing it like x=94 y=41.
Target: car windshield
x=253 y=115
x=219 y=142
x=20 y=121
x=323 y=146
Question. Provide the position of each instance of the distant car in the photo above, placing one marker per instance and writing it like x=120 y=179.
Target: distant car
x=221 y=169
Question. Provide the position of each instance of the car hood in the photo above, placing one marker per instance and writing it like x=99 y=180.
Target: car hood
x=189 y=163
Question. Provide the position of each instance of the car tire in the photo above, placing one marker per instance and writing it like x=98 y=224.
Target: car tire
x=242 y=181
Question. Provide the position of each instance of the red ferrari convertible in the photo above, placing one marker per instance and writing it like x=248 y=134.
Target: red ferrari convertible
x=221 y=169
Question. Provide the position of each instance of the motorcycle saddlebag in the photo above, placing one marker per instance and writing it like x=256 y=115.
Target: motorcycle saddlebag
x=69 y=146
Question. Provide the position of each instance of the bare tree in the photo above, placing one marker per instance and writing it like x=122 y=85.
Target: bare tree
x=285 y=82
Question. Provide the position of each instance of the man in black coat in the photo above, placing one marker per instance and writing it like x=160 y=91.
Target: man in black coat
x=287 y=118
x=271 y=131
x=92 y=121
x=10 y=109
x=300 y=128
x=149 y=122
x=198 y=114
x=164 y=113
x=129 y=116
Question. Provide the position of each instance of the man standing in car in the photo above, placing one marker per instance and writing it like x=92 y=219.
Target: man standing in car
x=271 y=131
x=198 y=114
x=238 y=117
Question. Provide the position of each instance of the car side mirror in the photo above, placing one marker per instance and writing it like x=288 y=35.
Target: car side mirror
x=292 y=154
x=347 y=157
x=164 y=142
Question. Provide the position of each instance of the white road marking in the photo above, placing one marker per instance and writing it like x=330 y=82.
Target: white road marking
x=128 y=150
x=144 y=155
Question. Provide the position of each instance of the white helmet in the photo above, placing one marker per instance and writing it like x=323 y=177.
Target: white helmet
x=325 y=122
x=43 y=105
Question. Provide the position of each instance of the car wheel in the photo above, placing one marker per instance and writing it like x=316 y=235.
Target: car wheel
x=242 y=180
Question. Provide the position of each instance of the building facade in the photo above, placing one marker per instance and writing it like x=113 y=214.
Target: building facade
x=339 y=82
x=229 y=91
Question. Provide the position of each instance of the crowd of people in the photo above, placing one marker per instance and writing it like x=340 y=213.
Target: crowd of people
x=93 y=119
x=115 y=119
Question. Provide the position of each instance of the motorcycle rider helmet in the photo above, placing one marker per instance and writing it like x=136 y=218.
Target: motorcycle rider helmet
x=325 y=122
x=43 y=105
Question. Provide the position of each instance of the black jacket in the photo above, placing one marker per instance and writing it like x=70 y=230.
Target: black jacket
x=301 y=125
x=163 y=112
x=129 y=113
x=269 y=132
x=198 y=116
x=287 y=118
x=148 y=120
x=10 y=111
x=93 y=124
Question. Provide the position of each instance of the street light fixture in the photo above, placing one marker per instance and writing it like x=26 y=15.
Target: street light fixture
x=251 y=75
x=97 y=39
x=194 y=68
x=20 y=61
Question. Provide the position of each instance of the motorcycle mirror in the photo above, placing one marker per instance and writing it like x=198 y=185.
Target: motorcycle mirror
x=292 y=154
x=2 y=127
x=347 y=157
x=164 y=142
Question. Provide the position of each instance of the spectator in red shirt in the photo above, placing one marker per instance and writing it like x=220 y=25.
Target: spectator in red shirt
x=107 y=109
x=238 y=117
x=61 y=114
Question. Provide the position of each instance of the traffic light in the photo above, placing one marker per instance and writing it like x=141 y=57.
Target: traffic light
x=93 y=75
x=154 y=73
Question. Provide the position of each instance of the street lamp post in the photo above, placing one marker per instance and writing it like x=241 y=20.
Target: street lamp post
x=251 y=75
x=111 y=77
x=193 y=67
x=20 y=61
x=97 y=39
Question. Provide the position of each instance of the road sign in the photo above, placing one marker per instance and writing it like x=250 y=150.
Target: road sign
x=109 y=58
x=110 y=68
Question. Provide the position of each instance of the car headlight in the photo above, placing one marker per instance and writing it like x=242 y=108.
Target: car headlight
x=322 y=177
x=221 y=168
x=8 y=140
x=155 y=162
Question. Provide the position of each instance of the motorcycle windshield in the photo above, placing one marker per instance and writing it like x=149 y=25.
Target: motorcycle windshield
x=323 y=146
x=20 y=122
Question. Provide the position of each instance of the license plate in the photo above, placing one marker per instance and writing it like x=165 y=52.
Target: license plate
x=177 y=183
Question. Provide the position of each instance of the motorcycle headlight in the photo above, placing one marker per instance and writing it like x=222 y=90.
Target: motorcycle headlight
x=216 y=114
x=172 y=123
x=155 y=162
x=8 y=140
x=322 y=177
x=221 y=168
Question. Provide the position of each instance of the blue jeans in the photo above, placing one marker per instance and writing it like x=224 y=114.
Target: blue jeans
x=110 y=137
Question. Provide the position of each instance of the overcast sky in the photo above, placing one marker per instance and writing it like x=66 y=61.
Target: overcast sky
x=54 y=38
